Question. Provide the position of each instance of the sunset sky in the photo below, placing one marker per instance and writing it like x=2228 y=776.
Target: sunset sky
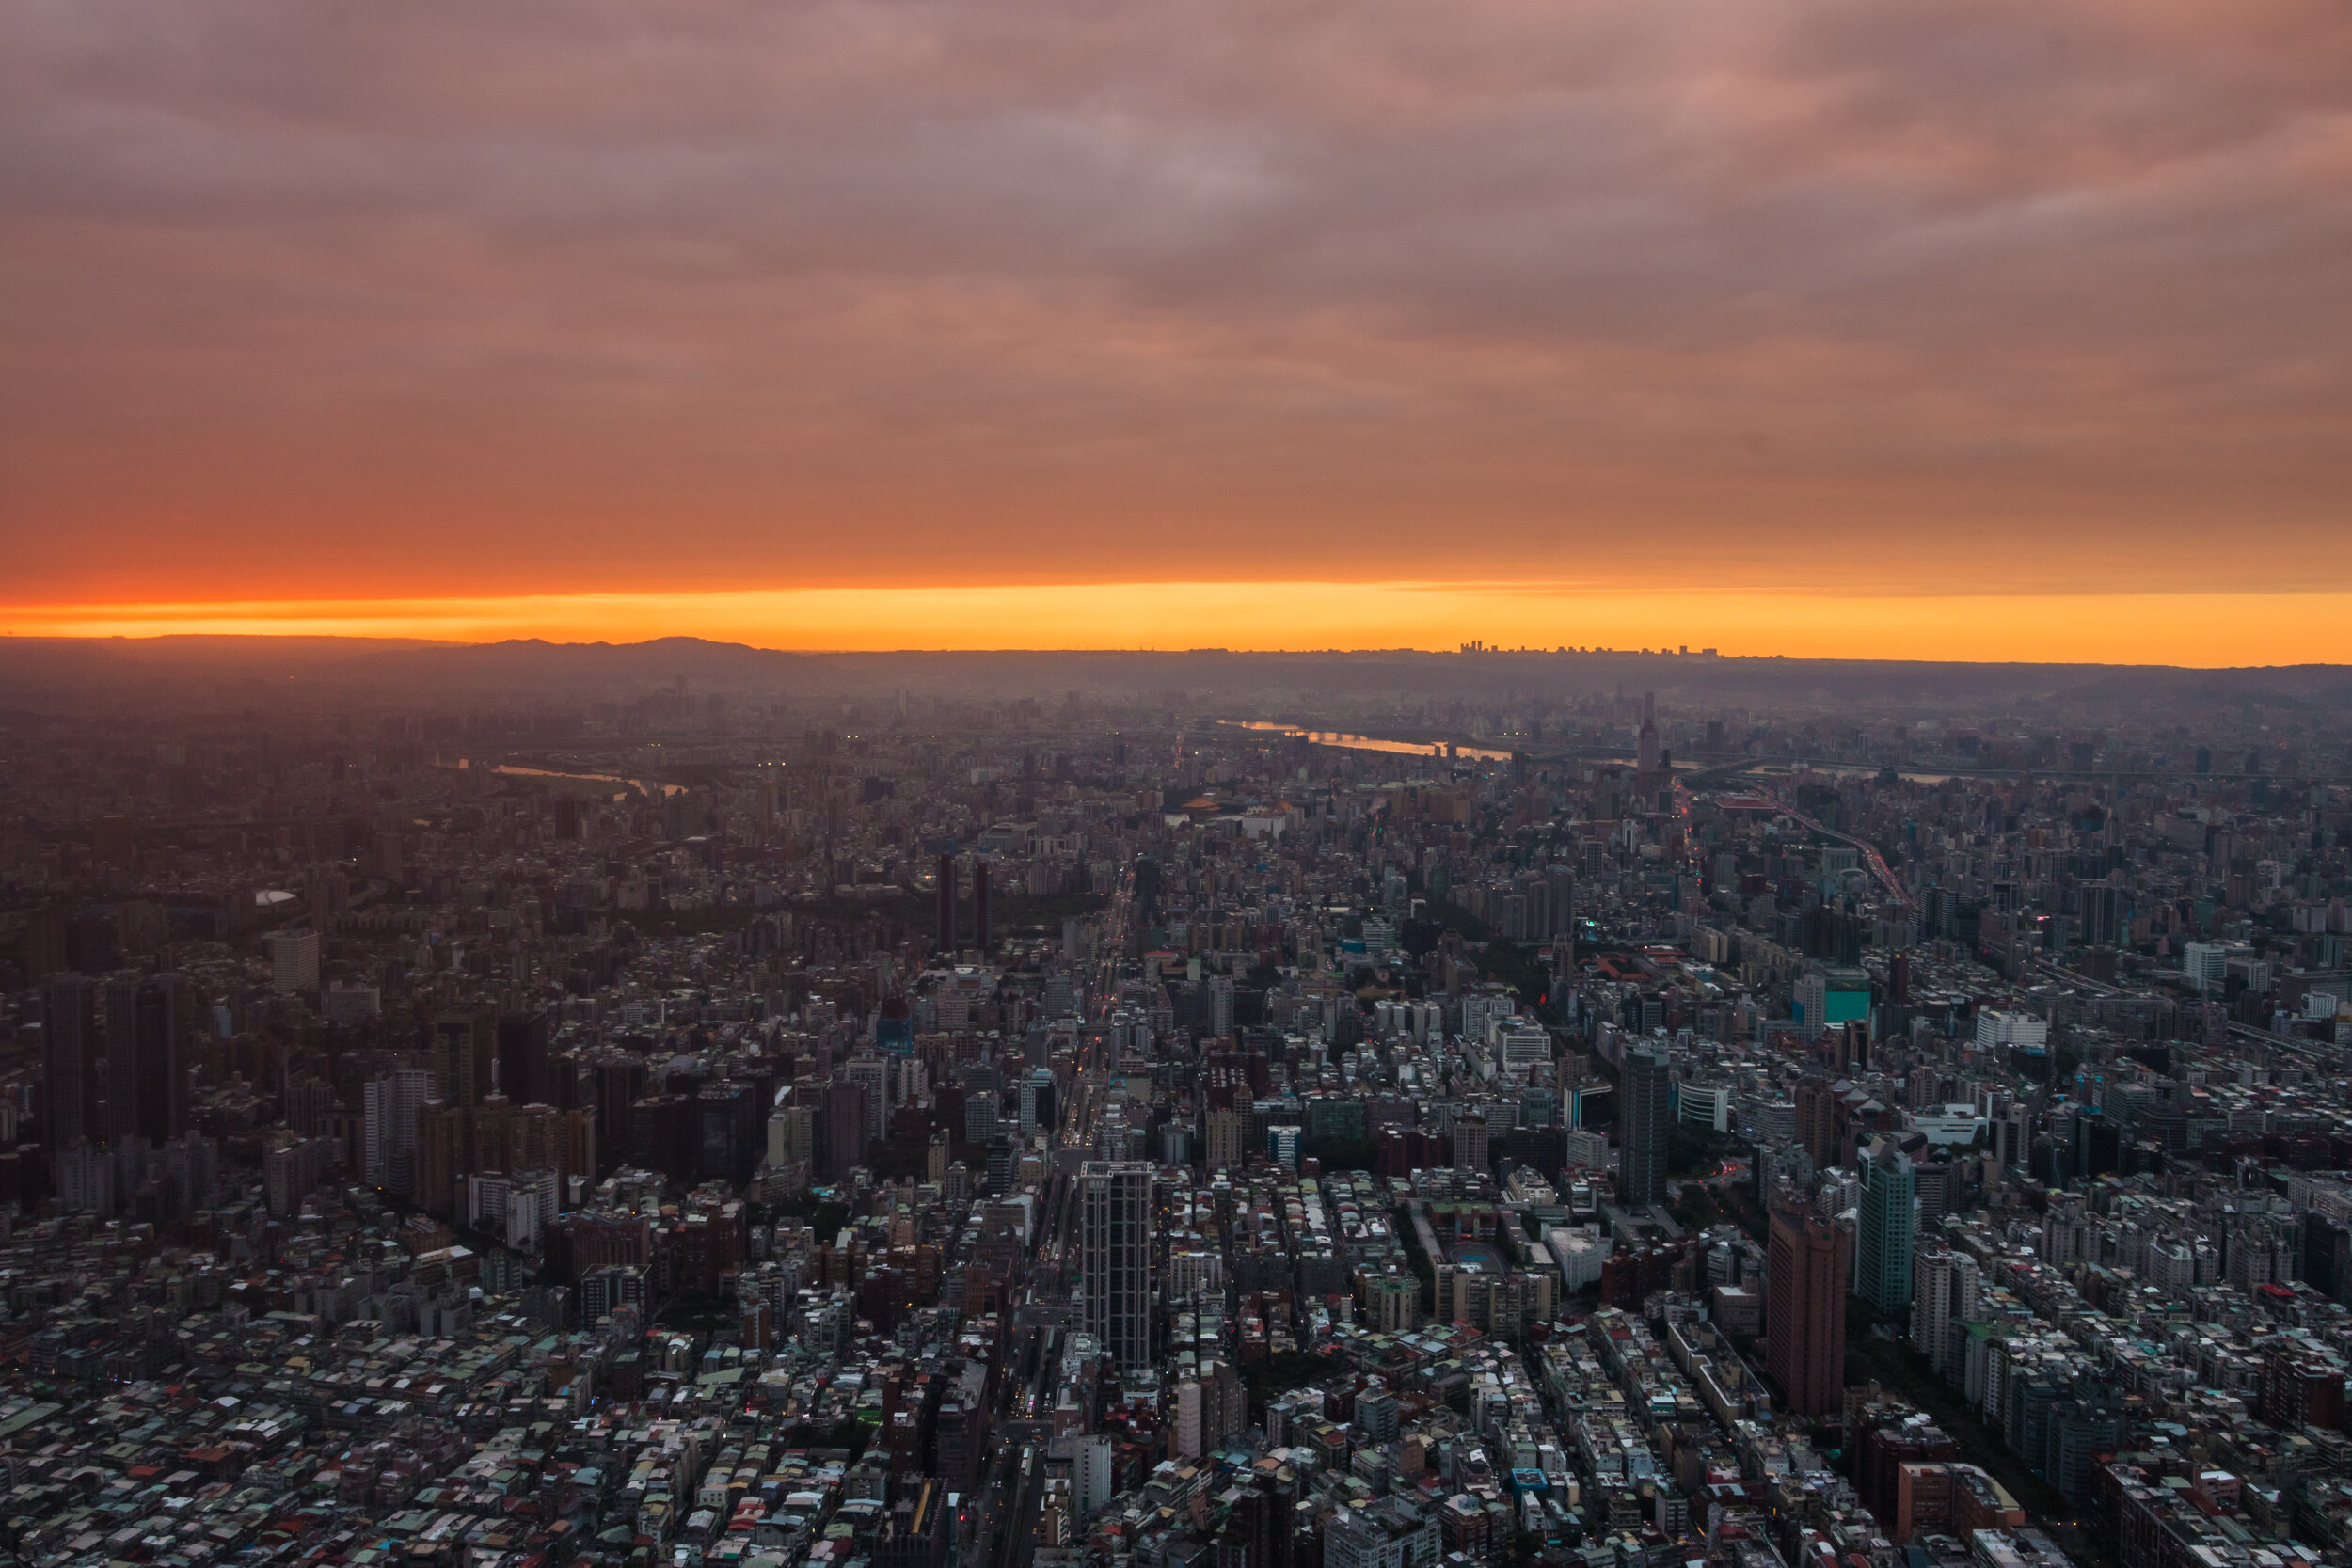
x=1950 y=328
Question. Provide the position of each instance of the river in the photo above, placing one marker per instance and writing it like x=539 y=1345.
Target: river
x=1347 y=741
x=640 y=785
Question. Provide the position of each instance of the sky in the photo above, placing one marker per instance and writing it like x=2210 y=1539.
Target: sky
x=1828 y=327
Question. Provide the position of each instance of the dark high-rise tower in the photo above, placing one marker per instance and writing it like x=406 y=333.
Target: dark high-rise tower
x=1817 y=1120
x=1115 y=1258
x=119 y=1025
x=1469 y=1142
x=844 y=1128
x=525 y=1074
x=2103 y=916
x=946 y=878
x=620 y=1082
x=1642 y=1156
x=979 y=906
x=465 y=1055
x=69 y=1045
x=1259 y=1531
x=145 y=1032
x=1806 y=1326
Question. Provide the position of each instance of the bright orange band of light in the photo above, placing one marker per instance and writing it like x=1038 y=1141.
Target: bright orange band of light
x=2200 y=629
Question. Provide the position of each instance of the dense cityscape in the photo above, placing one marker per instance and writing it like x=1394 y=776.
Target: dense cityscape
x=1616 y=1109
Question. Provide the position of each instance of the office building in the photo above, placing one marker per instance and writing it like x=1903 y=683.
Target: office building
x=2203 y=964
x=1115 y=1258
x=523 y=1068
x=1888 y=1229
x=982 y=1116
x=944 y=875
x=1225 y=1137
x=979 y=906
x=437 y=1157
x=1826 y=998
x=294 y=960
x=1645 y=1130
x=578 y=1151
x=1260 y=1530
x=844 y=1128
x=1469 y=1142
x=1944 y=1301
x=1817 y=1120
x=1997 y=1028
x=872 y=1074
x=69 y=1046
x=465 y=1055
x=2300 y=1389
x=1804 y=1349
x=388 y=1127
x=1036 y=1100
x=145 y=1030
x=791 y=1137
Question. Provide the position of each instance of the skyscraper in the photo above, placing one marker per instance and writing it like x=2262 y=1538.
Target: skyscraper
x=1225 y=1137
x=1220 y=1005
x=524 y=1071
x=1805 y=1329
x=146 y=1025
x=120 y=1027
x=1272 y=1524
x=1115 y=1257
x=69 y=1046
x=1888 y=1227
x=844 y=1125
x=294 y=960
x=388 y=1127
x=465 y=1054
x=2103 y=915
x=1945 y=1301
x=439 y=1126
x=1469 y=1142
x=944 y=875
x=872 y=1074
x=1817 y=1120
x=1036 y=1100
x=579 y=1144
x=979 y=906
x=1642 y=1153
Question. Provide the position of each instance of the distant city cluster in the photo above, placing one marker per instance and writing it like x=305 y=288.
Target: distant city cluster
x=1595 y=1110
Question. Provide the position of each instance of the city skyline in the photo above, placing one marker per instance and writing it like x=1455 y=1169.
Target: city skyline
x=2182 y=631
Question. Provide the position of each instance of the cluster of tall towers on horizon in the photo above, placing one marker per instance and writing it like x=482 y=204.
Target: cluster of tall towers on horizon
x=115 y=1056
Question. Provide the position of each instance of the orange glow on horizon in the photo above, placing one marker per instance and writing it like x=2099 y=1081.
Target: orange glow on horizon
x=2195 y=630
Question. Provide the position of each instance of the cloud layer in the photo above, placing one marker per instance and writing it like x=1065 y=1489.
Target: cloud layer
x=1959 y=295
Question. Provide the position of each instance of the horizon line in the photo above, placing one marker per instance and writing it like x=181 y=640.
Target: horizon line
x=2180 y=629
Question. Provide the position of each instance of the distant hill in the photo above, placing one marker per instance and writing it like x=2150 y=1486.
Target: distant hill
x=536 y=663
x=51 y=672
